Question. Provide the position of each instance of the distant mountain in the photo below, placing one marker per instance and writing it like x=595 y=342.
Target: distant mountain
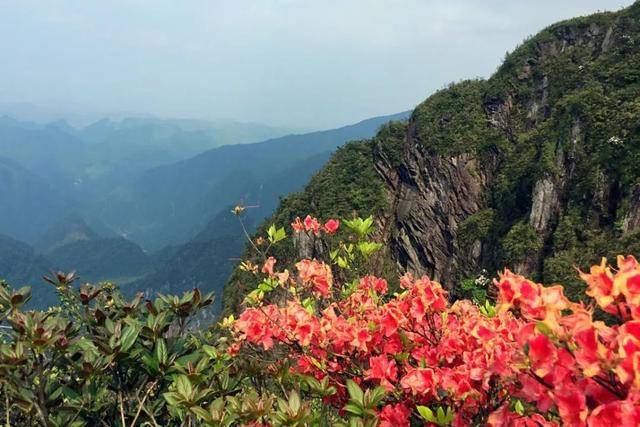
x=204 y=262
x=51 y=169
x=170 y=203
x=106 y=258
x=68 y=229
x=20 y=266
x=94 y=259
x=28 y=202
x=71 y=245
x=134 y=144
x=46 y=151
x=19 y=263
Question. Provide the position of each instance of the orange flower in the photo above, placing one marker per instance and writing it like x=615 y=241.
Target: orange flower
x=316 y=273
x=268 y=266
x=600 y=284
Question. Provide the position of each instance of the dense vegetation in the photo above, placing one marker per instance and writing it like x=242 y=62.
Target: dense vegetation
x=326 y=344
x=347 y=185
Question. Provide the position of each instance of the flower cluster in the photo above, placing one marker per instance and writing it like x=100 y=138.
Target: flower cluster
x=311 y=224
x=585 y=370
x=535 y=359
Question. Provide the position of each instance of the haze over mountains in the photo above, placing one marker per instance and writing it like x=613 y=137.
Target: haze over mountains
x=144 y=201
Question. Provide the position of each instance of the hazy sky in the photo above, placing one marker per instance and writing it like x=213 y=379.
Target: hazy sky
x=312 y=64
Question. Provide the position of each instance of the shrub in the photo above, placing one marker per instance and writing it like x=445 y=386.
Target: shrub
x=320 y=343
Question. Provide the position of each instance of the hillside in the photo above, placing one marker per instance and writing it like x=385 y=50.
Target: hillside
x=29 y=202
x=19 y=262
x=172 y=203
x=536 y=168
x=71 y=245
x=20 y=265
x=49 y=170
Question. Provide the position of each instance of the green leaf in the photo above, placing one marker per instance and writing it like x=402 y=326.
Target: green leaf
x=353 y=409
x=368 y=248
x=172 y=398
x=210 y=351
x=294 y=401
x=342 y=263
x=276 y=235
x=426 y=413
x=201 y=412
x=150 y=362
x=161 y=351
x=70 y=393
x=362 y=227
x=309 y=305
x=355 y=392
x=544 y=329
x=184 y=387
x=375 y=396
x=128 y=338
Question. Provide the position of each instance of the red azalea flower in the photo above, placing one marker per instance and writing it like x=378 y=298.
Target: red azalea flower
x=331 y=226
x=394 y=416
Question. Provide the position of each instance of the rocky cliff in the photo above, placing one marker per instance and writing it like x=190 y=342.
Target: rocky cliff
x=536 y=168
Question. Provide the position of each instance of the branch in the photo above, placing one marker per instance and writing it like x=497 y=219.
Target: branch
x=7 y=409
x=121 y=409
x=144 y=398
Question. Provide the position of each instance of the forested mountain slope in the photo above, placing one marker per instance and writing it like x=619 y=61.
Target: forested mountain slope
x=536 y=168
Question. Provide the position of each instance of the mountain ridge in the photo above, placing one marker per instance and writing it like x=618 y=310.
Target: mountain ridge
x=534 y=168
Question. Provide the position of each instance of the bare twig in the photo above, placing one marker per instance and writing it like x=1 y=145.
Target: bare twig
x=121 y=409
x=144 y=398
x=7 y=409
x=246 y=233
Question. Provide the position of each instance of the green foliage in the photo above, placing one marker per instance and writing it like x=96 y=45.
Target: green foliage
x=438 y=417
x=521 y=242
x=362 y=405
x=362 y=227
x=476 y=227
x=476 y=289
x=98 y=357
x=453 y=120
x=390 y=141
x=276 y=234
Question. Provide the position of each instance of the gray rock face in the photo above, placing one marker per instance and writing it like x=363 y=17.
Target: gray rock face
x=430 y=196
x=307 y=246
x=545 y=203
x=631 y=220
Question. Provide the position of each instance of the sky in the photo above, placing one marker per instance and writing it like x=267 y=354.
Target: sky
x=289 y=63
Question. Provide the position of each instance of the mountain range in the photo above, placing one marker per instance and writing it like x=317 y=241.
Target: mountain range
x=110 y=200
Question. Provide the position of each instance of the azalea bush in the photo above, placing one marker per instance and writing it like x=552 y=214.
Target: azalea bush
x=319 y=342
x=356 y=353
